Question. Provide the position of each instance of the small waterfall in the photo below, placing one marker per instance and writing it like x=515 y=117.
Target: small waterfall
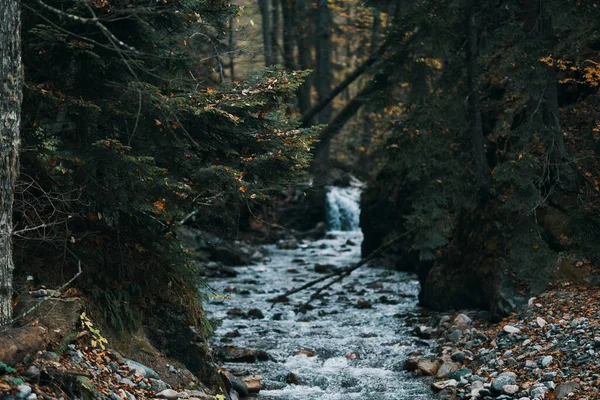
x=343 y=208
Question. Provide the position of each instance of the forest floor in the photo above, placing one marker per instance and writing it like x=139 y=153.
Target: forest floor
x=548 y=350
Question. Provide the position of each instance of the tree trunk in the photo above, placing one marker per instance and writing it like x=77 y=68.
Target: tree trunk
x=480 y=165
x=10 y=119
x=231 y=55
x=543 y=105
x=323 y=47
x=266 y=30
x=288 y=34
x=303 y=46
x=275 y=31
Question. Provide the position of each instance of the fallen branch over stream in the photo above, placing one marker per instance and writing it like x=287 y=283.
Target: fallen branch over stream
x=339 y=275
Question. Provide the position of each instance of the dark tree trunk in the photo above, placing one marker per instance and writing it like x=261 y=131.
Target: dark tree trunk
x=543 y=104
x=323 y=47
x=288 y=34
x=320 y=164
x=480 y=164
x=303 y=46
x=10 y=119
x=266 y=30
x=275 y=31
x=231 y=46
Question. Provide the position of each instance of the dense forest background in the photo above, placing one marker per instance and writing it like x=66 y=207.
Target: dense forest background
x=474 y=123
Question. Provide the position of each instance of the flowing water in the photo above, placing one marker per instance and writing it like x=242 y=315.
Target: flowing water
x=358 y=351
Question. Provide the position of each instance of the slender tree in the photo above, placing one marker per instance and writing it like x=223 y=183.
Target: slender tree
x=264 y=6
x=474 y=113
x=10 y=120
x=304 y=50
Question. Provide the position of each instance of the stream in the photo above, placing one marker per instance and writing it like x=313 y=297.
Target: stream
x=353 y=341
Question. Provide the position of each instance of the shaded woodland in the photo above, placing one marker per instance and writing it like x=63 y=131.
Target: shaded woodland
x=475 y=125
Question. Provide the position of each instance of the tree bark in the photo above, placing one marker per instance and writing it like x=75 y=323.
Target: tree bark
x=304 y=59
x=349 y=110
x=288 y=34
x=10 y=120
x=231 y=46
x=323 y=47
x=325 y=101
x=480 y=164
x=266 y=30
x=275 y=31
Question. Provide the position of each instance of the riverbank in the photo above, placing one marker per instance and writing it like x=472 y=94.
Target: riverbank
x=548 y=350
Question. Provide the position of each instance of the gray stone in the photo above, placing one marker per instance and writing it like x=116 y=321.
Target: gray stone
x=538 y=392
x=138 y=368
x=460 y=374
x=549 y=376
x=236 y=384
x=541 y=322
x=505 y=378
x=510 y=389
x=24 y=391
x=168 y=394
x=158 y=386
x=32 y=396
x=455 y=336
x=446 y=369
x=511 y=330
x=458 y=356
x=564 y=389
x=546 y=360
x=530 y=364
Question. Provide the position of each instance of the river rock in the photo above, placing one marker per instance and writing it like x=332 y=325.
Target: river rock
x=253 y=383
x=425 y=365
x=563 y=390
x=541 y=322
x=255 y=313
x=510 y=389
x=324 y=268
x=505 y=378
x=363 y=303
x=446 y=369
x=455 y=336
x=168 y=394
x=156 y=385
x=233 y=354
x=463 y=320
x=511 y=329
x=140 y=369
x=441 y=385
x=236 y=312
x=422 y=331
x=236 y=384
x=460 y=374
x=546 y=360
x=458 y=356
x=24 y=391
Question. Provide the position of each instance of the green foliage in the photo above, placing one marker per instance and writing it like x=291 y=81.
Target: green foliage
x=124 y=141
x=538 y=102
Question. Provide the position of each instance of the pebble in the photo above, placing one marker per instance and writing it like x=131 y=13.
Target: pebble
x=505 y=378
x=541 y=322
x=168 y=394
x=511 y=329
x=455 y=336
x=510 y=389
x=24 y=391
x=547 y=360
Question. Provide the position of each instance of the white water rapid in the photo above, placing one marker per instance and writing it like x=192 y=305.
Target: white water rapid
x=352 y=341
